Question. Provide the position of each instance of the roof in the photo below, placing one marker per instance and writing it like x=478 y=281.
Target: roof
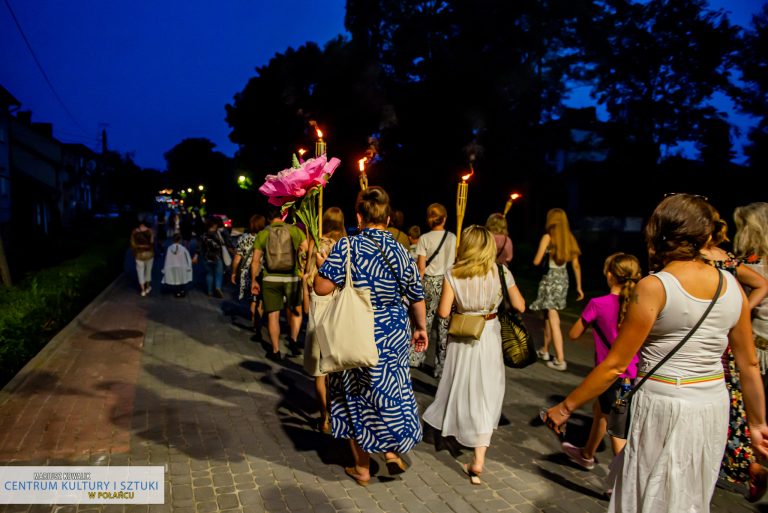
x=7 y=99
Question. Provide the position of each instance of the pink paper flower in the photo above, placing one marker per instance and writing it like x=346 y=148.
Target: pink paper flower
x=293 y=183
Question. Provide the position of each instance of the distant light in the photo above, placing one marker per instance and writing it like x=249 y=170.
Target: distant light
x=241 y=178
x=200 y=187
x=203 y=200
x=189 y=189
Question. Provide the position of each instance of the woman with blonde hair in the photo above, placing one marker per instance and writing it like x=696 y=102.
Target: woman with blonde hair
x=435 y=253
x=333 y=230
x=471 y=392
x=559 y=246
x=497 y=225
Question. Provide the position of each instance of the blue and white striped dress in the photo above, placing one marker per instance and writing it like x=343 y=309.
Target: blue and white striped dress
x=376 y=406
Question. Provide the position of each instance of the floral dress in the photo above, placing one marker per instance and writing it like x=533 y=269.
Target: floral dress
x=376 y=406
x=245 y=250
x=738 y=449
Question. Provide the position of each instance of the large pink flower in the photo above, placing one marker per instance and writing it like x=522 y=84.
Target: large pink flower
x=293 y=183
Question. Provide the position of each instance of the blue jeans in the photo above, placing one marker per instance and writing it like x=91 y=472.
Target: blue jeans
x=214 y=271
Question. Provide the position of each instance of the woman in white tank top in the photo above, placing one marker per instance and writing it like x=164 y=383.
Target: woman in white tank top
x=679 y=417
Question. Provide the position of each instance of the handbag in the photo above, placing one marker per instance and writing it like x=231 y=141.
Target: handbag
x=343 y=326
x=517 y=344
x=620 y=415
x=226 y=258
x=466 y=326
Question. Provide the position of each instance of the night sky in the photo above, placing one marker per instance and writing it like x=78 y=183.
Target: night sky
x=157 y=72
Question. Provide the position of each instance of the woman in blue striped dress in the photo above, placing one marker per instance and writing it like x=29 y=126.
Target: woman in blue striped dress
x=375 y=407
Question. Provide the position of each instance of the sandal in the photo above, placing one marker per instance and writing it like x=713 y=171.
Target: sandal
x=395 y=465
x=474 y=477
x=352 y=472
x=558 y=431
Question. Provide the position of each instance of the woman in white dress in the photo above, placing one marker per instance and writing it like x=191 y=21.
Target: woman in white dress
x=469 y=396
x=679 y=417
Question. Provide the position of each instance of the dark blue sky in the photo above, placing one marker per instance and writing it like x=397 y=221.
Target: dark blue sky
x=159 y=71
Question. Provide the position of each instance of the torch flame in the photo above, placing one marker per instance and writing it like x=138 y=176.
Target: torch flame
x=514 y=196
x=319 y=133
x=361 y=163
x=302 y=151
x=467 y=176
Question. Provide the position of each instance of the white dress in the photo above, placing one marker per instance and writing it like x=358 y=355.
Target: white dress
x=677 y=434
x=471 y=391
x=177 y=269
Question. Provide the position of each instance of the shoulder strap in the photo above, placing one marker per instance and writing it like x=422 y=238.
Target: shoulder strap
x=386 y=261
x=439 y=246
x=600 y=334
x=504 y=291
x=685 y=339
x=503 y=247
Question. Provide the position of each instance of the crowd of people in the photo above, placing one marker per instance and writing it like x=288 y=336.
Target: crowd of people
x=687 y=342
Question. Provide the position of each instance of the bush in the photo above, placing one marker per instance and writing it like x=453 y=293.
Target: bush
x=32 y=313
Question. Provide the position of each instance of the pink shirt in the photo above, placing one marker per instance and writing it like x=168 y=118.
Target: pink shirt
x=604 y=312
x=503 y=248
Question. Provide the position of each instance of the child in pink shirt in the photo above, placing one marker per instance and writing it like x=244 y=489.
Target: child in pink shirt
x=605 y=314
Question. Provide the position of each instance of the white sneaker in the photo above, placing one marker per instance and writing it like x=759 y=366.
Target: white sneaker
x=542 y=355
x=149 y=289
x=143 y=293
x=575 y=455
x=559 y=366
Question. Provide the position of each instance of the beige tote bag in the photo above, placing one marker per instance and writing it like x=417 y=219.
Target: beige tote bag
x=343 y=326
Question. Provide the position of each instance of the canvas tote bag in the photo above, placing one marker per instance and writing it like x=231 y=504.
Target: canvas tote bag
x=343 y=326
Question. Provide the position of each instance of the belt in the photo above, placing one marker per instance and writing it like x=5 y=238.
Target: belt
x=678 y=381
x=489 y=316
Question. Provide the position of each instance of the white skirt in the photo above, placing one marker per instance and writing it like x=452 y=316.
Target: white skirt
x=674 y=450
x=471 y=390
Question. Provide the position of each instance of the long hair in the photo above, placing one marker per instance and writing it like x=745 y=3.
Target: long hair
x=680 y=226
x=751 y=230
x=333 y=224
x=477 y=253
x=563 y=245
x=625 y=269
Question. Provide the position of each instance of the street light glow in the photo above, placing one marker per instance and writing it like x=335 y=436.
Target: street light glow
x=200 y=187
x=241 y=178
x=189 y=189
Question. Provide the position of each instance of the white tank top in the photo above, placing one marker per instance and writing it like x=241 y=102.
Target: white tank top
x=700 y=355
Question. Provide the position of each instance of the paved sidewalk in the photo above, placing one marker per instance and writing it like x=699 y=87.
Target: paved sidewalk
x=177 y=382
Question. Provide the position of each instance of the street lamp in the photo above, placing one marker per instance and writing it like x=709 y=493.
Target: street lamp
x=200 y=187
x=189 y=189
x=241 y=179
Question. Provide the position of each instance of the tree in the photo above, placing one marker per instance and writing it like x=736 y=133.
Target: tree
x=655 y=66
x=753 y=97
x=193 y=162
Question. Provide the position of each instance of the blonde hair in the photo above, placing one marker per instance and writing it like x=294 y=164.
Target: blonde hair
x=497 y=223
x=333 y=224
x=625 y=269
x=563 y=246
x=751 y=230
x=436 y=215
x=477 y=253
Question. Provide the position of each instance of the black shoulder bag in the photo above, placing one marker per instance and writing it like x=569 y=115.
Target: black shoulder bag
x=619 y=418
x=439 y=246
x=517 y=344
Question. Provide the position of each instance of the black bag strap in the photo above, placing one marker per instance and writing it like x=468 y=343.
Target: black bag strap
x=504 y=291
x=386 y=260
x=503 y=247
x=685 y=339
x=439 y=246
x=599 y=332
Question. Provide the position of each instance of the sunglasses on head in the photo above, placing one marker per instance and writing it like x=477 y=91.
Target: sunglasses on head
x=669 y=194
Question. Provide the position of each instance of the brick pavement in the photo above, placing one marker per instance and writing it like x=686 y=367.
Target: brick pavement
x=177 y=382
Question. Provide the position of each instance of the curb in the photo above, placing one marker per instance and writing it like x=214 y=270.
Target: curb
x=47 y=351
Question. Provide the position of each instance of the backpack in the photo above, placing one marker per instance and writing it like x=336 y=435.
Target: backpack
x=211 y=248
x=280 y=255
